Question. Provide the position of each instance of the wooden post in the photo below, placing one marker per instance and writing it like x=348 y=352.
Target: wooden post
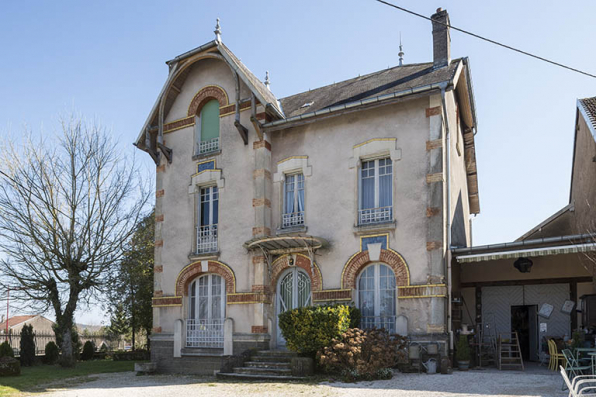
x=573 y=297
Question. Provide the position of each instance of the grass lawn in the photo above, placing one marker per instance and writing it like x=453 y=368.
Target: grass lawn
x=34 y=378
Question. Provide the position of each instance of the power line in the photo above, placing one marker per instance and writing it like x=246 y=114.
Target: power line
x=488 y=40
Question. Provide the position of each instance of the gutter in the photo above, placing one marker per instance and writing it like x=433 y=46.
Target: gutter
x=355 y=104
x=568 y=239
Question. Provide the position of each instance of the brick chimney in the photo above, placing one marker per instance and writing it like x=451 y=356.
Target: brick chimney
x=441 y=39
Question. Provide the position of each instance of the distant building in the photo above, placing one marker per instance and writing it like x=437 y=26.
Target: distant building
x=41 y=325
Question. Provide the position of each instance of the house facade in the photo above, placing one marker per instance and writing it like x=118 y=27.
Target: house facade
x=349 y=193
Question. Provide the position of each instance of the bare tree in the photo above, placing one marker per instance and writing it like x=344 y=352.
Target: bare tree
x=67 y=209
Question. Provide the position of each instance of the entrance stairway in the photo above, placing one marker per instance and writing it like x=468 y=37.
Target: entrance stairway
x=509 y=352
x=265 y=365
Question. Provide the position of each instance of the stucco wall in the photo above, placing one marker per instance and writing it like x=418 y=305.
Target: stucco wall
x=583 y=187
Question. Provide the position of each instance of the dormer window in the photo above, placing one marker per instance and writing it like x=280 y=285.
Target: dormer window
x=207 y=128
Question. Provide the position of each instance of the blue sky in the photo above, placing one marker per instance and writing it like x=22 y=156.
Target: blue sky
x=106 y=60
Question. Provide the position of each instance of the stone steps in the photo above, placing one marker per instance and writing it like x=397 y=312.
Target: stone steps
x=265 y=365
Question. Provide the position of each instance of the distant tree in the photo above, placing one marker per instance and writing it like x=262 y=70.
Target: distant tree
x=27 y=346
x=132 y=288
x=119 y=323
x=67 y=208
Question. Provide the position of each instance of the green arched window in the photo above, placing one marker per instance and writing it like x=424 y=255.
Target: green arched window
x=208 y=127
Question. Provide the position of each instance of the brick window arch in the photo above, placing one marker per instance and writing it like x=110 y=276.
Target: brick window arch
x=205 y=95
x=360 y=260
x=194 y=270
x=303 y=262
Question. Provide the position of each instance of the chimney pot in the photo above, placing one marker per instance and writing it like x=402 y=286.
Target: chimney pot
x=441 y=39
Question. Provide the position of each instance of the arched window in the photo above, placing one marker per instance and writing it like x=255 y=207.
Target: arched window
x=207 y=128
x=377 y=297
x=206 y=312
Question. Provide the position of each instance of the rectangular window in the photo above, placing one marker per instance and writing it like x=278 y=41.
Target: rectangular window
x=207 y=222
x=293 y=207
x=376 y=191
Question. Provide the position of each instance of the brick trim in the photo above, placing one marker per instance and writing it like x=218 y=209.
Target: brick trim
x=433 y=245
x=437 y=143
x=159 y=243
x=261 y=202
x=160 y=168
x=156 y=330
x=432 y=178
x=158 y=269
x=432 y=211
x=159 y=218
x=160 y=193
x=332 y=295
x=175 y=125
x=258 y=329
x=248 y=297
x=194 y=270
x=261 y=144
x=261 y=288
x=261 y=230
x=303 y=262
x=433 y=111
x=258 y=259
x=359 y=261
x=167 y=301
x=205 y=95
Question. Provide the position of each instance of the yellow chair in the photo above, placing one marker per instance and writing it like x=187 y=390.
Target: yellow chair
x=555 y=357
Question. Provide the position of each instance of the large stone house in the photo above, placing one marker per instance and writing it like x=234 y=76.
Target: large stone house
x=349 y=193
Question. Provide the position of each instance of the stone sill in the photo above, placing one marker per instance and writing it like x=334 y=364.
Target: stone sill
x=206 y=155
x=291 y=230
x=375 y=227
x=204 y=257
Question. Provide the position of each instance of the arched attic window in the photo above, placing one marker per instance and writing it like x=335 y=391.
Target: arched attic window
x=207 y=128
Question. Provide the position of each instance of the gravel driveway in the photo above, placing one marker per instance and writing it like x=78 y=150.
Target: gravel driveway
x=484 y=383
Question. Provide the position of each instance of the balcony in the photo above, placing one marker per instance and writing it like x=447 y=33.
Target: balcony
x=293 y=219
x=206 y=239
x=379 y=322
x=375 y=215
x=207 y=333
x=209 y=146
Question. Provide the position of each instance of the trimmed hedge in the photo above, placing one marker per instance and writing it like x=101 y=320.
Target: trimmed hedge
x=88 y=351
x=27 y=345
x=309 y=329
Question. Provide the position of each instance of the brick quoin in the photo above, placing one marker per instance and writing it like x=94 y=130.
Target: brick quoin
x=159 y=218
x=304 y=263
x=260 y=144
x=204 y=96
x=193 y=271
x=258 y=329
x=160 y=168
x=160 y=193
x=353 y=268
x=158 y=269
x=156 y=330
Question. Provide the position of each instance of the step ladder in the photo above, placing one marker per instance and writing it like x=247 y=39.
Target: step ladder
x=486 y=344
x=509 y=356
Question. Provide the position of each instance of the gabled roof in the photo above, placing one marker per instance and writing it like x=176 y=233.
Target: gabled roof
x=15 y=320
x=554 y=219
x=587 y=108
x=180 y=68
x=375 y=84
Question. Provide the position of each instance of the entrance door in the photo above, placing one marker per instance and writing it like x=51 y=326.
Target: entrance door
x=293 y=291
x=524 y=321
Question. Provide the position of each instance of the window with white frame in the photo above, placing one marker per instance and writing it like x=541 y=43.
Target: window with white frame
x=206 y=312
x=208 y=204
x=377 y=297
x=293 y=206
x=207 y=128
x=376 y=191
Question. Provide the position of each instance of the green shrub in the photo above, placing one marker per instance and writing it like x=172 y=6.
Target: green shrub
x=27 y=345
x=52 y=353
x=355 y=316
x=462 y=349
x=363 y=355
x=88 y=351
x=9 y=366
x=6 y=350
x=309 y=329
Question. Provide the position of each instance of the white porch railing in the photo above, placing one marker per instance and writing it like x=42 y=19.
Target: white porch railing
x=205 y=333
x=206 y=239
x=375 y=215
x=293 y=219
x=209 y=146
x=386 y=322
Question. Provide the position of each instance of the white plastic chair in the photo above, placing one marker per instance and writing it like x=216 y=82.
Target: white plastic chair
x=581 y=384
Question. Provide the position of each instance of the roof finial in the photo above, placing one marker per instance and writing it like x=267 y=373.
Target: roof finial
x=217 y=32
x=267 y=82
x=401 y=52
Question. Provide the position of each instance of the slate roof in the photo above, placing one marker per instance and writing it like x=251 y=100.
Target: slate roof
x=15 y=320
x=589 y=105
x=385 y=81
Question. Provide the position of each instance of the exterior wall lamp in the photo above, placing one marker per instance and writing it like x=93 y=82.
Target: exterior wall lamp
x=524 y=265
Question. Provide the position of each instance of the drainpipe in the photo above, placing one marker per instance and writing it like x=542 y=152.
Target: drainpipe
x=448 y=222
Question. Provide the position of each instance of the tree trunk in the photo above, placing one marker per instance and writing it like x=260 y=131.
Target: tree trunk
x=68 y=358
